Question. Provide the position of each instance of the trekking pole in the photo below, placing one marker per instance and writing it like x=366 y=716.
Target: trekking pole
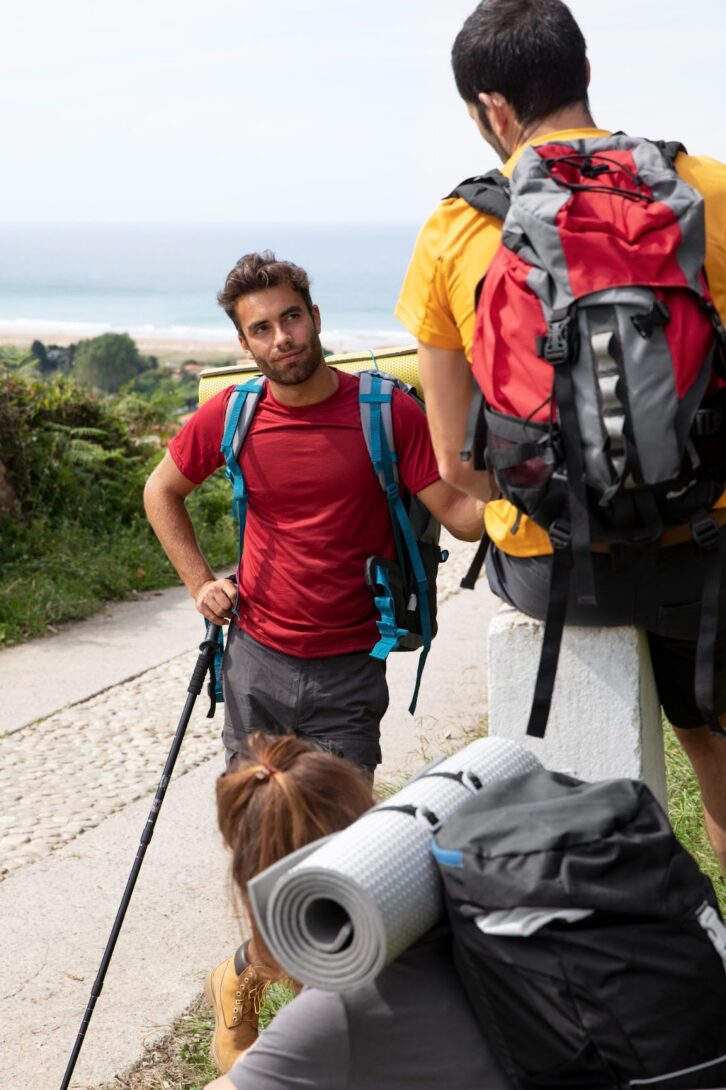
x=205 y=662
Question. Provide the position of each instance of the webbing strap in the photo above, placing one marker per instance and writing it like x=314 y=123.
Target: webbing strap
x=467 y=779
x=240 y=410
x=426 y=818
x=376 y=397
x=390 y=633
x=468 y=582
x=551 y=641
x=488 y=193
x=422 y=584
x=577 y=490
x=710 y=544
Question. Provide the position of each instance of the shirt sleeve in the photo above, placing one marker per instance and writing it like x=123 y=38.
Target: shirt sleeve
x=305 y=1048
x=195 y=449
x=423 y=305
x=416 y=459
x=708 y=176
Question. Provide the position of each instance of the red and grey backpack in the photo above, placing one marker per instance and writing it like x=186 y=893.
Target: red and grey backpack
x=600 y=357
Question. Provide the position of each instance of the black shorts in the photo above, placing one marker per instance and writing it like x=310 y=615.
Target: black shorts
x=658 y=590
x=336 y=703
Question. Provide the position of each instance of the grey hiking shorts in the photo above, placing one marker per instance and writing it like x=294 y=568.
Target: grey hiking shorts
x=658 y=590
x=336 y=702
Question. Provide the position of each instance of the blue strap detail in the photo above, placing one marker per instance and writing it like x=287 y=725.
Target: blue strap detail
x=383 y=462
x=390 y=633
x=447 y=857
x=233 y=469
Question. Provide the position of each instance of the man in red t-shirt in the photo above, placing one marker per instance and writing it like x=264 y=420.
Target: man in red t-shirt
x=297 y=656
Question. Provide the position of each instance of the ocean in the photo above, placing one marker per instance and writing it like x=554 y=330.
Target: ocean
x=161 y=281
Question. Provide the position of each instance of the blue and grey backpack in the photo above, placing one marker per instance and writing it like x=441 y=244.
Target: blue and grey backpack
x=404 y=589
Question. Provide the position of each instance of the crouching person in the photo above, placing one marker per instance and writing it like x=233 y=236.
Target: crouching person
x=412 y=1026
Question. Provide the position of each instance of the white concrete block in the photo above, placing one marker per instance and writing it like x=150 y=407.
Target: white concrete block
x=605 y=719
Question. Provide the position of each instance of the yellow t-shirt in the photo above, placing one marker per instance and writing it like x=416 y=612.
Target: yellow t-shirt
x=453 y=250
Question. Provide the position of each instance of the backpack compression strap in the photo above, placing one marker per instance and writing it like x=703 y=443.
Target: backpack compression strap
x=375 y=393
x=488 y=193
x=240 y=409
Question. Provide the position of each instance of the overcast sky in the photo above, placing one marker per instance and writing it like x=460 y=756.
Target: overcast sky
x=299 y=110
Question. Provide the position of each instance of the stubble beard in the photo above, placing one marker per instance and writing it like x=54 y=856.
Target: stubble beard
x=296 y=373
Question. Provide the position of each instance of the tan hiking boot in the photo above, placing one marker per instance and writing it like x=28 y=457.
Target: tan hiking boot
x=235 y=999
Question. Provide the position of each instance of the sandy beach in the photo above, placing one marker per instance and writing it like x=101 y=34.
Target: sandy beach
x=166 y=349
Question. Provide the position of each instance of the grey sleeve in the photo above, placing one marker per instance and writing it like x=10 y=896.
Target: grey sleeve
x=305 y=1048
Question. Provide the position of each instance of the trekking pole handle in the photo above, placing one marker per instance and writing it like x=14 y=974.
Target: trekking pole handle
x=208 y=649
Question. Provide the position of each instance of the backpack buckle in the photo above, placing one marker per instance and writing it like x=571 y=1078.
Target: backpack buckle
x=646 y=323
x=706 y=422
x=560 y=535
x=705 y=531
x=557 y=344
x=427 y=819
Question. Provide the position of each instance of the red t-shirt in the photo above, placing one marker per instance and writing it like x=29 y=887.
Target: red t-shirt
x=316 y=512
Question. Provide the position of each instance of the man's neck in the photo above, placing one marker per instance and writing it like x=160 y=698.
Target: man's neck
x=571 y=117
x=321 y=385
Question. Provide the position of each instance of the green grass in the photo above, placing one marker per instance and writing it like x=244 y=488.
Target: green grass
x=181 y=1060
x=69 y=572
x=686 y=816
x=277 y=996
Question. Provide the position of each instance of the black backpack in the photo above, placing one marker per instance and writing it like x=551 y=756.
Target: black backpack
x=588 y=941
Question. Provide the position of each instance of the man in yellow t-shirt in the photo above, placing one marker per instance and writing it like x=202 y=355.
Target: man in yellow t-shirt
x=522 y=70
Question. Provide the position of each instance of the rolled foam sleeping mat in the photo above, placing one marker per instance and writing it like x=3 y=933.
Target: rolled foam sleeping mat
x=400 y=362
x=338 y=911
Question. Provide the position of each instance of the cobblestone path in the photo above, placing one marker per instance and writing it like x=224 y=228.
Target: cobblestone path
x=64 y=774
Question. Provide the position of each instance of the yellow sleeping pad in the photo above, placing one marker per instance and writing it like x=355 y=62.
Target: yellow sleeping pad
x=401 y=362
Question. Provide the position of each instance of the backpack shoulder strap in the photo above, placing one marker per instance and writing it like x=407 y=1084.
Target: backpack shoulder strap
x=670 y=149
x=375 y=391
x=374 y=396
x=488 y=193
x=241 y=407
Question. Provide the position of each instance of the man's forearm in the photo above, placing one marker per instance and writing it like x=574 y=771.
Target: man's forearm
x=465 y=518
x=446 y=379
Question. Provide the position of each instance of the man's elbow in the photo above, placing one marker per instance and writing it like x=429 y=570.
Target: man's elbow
x=158 y=493
x=151 y=493
x=453 y=470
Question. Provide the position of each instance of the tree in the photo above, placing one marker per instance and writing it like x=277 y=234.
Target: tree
x=108 y=361
x=17 y=361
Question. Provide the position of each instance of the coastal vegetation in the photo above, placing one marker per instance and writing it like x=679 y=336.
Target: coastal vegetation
x=76 y=446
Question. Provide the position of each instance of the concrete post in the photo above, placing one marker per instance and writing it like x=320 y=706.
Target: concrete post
x=605 y=719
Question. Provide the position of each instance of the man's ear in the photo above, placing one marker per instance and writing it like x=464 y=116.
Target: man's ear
x=245 y=347
x=498 y=111
x=316 y=318
x=587 y=71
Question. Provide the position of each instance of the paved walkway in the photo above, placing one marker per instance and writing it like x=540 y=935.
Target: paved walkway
x=88 y=717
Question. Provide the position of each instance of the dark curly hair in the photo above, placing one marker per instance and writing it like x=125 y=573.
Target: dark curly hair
x=255 y=272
